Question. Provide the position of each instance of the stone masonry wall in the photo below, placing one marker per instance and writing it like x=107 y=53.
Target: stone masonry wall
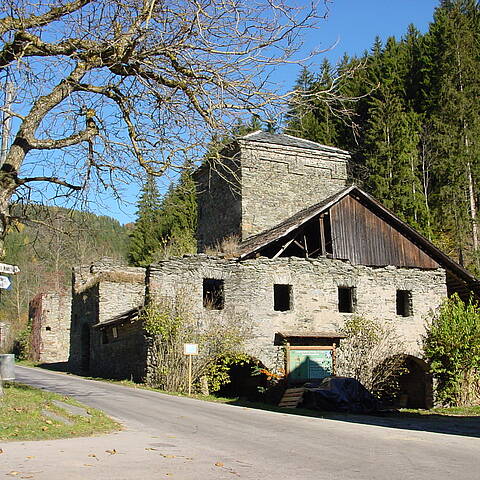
x=54 y=327
x=100 y=291
x=264 y=185
x=219 y=202
x=248 y=288
x=279 y=181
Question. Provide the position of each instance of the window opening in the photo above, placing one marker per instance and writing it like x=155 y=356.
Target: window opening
x=404 y=303
x=48 y=329
x=346 y=299
x=104 y=336
x=327 y=233
x=282 y=297
x=114 y=332
x=213 y=294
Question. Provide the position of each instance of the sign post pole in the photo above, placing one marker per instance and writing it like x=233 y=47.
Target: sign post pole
x=190 y=349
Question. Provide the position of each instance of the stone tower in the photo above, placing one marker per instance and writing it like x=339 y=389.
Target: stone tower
x=262 y=179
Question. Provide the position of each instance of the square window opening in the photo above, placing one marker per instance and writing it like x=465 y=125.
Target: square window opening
x=213 y=294
x=404 y=303
x=282 y=297
x=346 y=299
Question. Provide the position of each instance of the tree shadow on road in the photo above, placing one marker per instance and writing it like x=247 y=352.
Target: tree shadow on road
x=429 y=422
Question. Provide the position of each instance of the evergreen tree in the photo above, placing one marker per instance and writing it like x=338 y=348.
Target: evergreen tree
x=145 y=239
x=178 y=218
x=454 y=44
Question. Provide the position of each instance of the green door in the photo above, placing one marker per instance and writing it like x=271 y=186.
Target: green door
x=307 y=365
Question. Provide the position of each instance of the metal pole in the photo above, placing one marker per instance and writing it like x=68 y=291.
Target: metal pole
x=189 y=375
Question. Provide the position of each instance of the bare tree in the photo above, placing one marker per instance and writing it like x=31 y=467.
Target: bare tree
x=106 y=89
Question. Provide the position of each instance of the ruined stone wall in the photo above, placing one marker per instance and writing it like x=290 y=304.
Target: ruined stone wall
x=219 y=203
x=249 y=292
x=279 y=181
x=100 y=291
x=266 y=184
x=120 y=355
x=51 y=327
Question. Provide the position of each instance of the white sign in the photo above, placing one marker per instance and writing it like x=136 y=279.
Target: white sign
x=4 y=282
x=190 y=348
x=6 y=268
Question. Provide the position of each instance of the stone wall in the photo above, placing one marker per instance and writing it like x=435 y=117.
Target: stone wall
x=249 y=293
x=120 y=355
x=279 y=181
x=100 y=291
x=262 y=185
x=219 y=202
x=51 y=327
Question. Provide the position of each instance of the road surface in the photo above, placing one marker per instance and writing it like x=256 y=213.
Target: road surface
x=182 y=438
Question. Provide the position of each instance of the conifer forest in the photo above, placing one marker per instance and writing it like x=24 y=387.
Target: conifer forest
x=408 y=112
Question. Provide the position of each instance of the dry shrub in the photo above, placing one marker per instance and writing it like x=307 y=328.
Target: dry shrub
x=228 y=246
x=373 y=353
x=170 y=323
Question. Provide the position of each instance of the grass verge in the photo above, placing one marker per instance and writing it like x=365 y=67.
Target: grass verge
x=23 y=416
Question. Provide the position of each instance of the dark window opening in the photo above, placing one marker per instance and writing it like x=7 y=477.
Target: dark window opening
x=282 y=297
x=404 y=303
x=104 y=336
x=327 y=232
x=346 y=299
x=213 y=294
x=48 y=329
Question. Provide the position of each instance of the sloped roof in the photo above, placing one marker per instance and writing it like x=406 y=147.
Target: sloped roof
x=124 y=317
x=254 y=244
x=289 y=141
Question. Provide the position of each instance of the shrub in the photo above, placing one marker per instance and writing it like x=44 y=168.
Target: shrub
x=452 y=346
x=373 y=354
x=170 y=323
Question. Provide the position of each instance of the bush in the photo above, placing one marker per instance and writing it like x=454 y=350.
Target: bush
x=452 y=346
x=170 y=323
x=372 y=353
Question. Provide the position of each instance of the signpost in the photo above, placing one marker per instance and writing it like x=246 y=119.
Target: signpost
x=5 y=282
x=9 y=269
x=190 y=349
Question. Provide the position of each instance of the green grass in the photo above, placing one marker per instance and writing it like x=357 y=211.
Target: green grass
x=451 y=411
x=21 y=416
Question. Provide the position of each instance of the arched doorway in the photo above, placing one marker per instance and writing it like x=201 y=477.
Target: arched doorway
x=415 y=385
x=243 y=383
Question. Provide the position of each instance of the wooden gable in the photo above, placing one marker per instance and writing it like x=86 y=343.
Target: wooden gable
x=364 y=238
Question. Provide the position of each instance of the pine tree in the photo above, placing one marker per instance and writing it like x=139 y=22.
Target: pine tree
x=455 y=82
x=145 y=239
x=178 y=218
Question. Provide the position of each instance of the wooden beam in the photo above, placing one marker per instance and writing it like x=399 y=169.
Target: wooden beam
x=305 y=245
x=322 y=236
x=284 y=247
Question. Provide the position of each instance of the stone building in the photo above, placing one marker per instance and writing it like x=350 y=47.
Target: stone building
x=50 y=317
x=312 y=252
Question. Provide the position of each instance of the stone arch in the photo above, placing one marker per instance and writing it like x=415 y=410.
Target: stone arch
x=242 y=381
x=415 y=385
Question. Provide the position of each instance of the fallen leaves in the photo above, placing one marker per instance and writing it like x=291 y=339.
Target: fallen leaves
x=111 y=452
x=219 y=464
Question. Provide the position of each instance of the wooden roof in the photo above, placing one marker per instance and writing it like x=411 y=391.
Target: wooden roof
x=363 y=232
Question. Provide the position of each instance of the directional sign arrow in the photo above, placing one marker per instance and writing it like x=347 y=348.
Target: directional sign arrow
x=6 y=268
x=5 y=282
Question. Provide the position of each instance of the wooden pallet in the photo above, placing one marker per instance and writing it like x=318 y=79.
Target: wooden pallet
x=291 y=398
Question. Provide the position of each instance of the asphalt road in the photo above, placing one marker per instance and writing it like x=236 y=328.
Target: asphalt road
x=177 y=437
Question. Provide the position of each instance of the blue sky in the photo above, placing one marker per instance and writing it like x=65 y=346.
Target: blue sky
x=352 y=25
